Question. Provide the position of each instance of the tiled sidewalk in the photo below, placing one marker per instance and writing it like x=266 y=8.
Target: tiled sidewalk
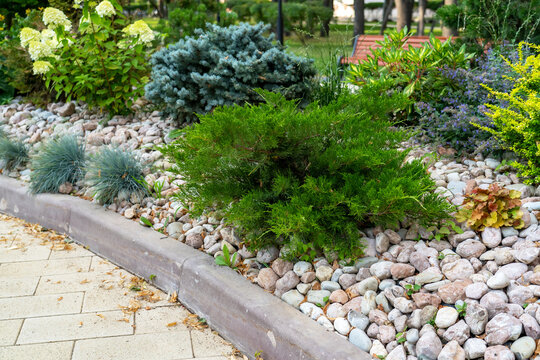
x=59 y=301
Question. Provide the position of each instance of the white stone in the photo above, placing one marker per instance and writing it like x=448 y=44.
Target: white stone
x=342 y=326
x=446 y=317
x=498 y=281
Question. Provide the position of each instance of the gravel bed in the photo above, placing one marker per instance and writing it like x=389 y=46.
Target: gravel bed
x=478 y=291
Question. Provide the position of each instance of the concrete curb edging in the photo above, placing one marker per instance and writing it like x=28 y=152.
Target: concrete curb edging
x=252 y=319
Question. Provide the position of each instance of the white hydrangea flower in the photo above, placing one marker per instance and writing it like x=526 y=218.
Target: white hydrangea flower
x=28 y=34
x=41 y=67
x=48 y=37
x=54 y=18
x=140 y=28
x=105 y=8
x=38 y=50
x=77 y=4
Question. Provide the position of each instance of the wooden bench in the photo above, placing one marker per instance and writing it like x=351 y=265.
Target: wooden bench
x=364 y=43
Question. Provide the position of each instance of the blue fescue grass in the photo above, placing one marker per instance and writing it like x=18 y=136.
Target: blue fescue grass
x=59 y=160
x=13 y=152
x=115 y=174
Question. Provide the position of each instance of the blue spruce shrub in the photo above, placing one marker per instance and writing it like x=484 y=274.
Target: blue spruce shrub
x=222 y=66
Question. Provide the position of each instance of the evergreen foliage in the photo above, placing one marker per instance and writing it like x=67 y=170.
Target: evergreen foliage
x=305 y=179
x=222 y=66
x=12 y=152
x=517 y=125
x=58 y=161
x=113 y=173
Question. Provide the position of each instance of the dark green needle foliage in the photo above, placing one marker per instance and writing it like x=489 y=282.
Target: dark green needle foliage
x=13 y=153
x=114 y=173
x=60 y=160
x=307 y=179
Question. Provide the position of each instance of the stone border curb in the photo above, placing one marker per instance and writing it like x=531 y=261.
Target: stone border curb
x=252 y=319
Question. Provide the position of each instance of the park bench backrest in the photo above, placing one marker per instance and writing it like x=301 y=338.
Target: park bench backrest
x=364 y=43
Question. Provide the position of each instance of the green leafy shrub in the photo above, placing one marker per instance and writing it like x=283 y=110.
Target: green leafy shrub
x=222 y=66
x=13 y=153
x=299 y=16
x=492 y=207
x=16 y=75
x=490 y=21
x=305 y=179
x=6 y=90
x=517 y=123
x=10 y=9
x=191 y=15
x=104 y=64
x=58 y=161
x=115 y=174
x=414 y=71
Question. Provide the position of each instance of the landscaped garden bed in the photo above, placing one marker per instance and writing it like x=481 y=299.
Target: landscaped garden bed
x=377 y=300
x=401 y=215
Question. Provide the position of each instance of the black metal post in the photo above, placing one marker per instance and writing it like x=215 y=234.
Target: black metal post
x=218 y=11
x=279 y=27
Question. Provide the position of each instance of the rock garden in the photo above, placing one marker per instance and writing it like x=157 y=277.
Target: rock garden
x=394 y=202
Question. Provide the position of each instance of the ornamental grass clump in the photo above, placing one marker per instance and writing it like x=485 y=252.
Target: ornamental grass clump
x=59 y=161
x=115 y=174
x=13 y=153
x=308 y=180
x=103 y=63
x=222 y=66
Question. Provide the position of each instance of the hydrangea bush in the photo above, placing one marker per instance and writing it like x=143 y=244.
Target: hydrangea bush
x=104 y=64
x=222 y=66
x=447 y=119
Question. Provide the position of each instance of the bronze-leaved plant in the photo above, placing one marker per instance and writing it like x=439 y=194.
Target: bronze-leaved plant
x=492 y=207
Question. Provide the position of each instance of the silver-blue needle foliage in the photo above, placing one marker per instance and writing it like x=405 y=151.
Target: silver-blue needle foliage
x=222 y=66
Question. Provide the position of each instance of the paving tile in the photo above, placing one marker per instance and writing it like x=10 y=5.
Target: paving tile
x=73 y=327
x=50 y=351
x=43 y=305
x=82 y=281
x=44 y=267
x=157 y=320
x=18 y=286
x=19 y=252
x=162 y=346
x=76 y=251
x=207 y=343
x=102 y=265
x=9 y=330
x=104 y=299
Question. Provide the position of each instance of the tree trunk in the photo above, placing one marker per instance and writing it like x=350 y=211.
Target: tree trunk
x=157 y=6
x=422 y=4
x=446 y=31
x=404 y=14
x=359 y=19
x=325 y=26
x=388 y=6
